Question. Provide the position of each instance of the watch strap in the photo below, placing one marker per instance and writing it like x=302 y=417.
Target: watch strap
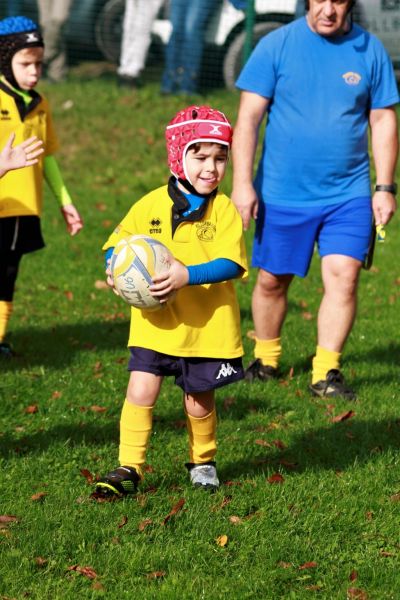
x=392 y=188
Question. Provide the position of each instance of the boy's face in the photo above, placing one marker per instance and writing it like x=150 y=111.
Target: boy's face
x=26 y=66
x=205 y=165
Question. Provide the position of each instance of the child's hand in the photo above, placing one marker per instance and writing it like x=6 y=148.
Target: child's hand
x=109 y=279
x=72 y=219
x=170 y=281
x=23 y=155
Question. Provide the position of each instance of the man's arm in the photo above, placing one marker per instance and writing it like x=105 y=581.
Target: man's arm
x=252 y=109
x=385 y=149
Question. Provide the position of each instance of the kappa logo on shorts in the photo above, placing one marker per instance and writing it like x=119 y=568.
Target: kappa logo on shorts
x=352 y=78
x=206 y=231
x=226 y=370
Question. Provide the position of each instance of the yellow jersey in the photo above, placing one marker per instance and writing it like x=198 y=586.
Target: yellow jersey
x=202 y=320
x=21 y=191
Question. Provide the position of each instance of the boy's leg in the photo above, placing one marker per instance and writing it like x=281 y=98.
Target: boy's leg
x=9 y=264
x=202 y=427
x=135 y=431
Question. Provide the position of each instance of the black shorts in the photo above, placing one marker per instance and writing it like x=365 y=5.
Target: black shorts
x=20 y=234
x=191 y=374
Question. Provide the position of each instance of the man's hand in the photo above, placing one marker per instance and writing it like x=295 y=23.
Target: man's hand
x=24 y=154
x=246 y=201
x=170 y=281
x=72 y=219
x=384 y=206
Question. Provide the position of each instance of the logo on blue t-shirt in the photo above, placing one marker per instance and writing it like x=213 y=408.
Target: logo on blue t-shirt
x=352 y=78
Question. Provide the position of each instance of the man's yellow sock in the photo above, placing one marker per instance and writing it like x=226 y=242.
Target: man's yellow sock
x=323 y=361
x=5 y=314
x=268 y=351
x=135 y=430
x=202 y=438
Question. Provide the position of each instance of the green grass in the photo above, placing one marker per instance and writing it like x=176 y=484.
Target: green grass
x=336 y=507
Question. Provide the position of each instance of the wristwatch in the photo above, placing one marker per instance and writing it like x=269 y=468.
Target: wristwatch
x=392 y=188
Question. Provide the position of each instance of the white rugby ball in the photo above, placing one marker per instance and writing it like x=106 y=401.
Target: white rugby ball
x=134 y=262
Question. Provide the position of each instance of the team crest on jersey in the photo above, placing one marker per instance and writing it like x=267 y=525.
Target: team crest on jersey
x=206 y=231
x=5 y=115
x=155 y=225
x=352 y=78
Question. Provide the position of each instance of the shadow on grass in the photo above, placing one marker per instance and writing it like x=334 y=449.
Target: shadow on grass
x=56 y=347
x=334 y=447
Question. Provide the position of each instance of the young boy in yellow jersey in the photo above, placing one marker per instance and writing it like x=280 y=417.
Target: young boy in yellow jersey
x=25 y=112
x=196 y=336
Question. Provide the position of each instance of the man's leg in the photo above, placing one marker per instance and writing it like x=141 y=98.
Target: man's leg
x=269 y=306
x=336 y=316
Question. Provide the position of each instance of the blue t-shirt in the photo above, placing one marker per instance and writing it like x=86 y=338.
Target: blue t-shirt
x=321 y=90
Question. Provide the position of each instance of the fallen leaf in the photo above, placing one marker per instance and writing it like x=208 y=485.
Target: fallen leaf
x=251 y=334
x=175 y=509
x=308 y=565
x=279 y=444
x=98 y=409
x=276 y=478
x=32 y=409
x=353 y=576
x=38 y=496
x=369 y=515
x=123 y=522
x=386 y=553
x=287 y=464
x=357 y=593
x=230 y=483
x=40 y=562
x=101 y=206
x=99 y=284
x=86 y=571
x=69 y=295
x=156 y=575
x=222 y=540
x=226 y=500
x=263 y=443
x=8 y=519
x=395 y=497
x=87 y=475
x=97 y=586
x=343 y=416
x=313 y=588
x=55 y=395
x=291 y=373
x=307 y=316
x=235 y=519
x=284 y=565
x=107 y=223
x=143 y=524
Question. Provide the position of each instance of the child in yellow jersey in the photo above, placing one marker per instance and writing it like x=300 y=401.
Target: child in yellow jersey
x=25 y=112
x=196 y=336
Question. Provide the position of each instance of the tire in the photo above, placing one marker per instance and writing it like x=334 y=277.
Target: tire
x=233 y=60
x=108 y=29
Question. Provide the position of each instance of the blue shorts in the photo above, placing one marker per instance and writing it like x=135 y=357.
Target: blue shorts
x=285 y=236
x=191 y=374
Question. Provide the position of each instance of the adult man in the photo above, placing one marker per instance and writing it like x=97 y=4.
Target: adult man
x=323 y=82
x=53 y=16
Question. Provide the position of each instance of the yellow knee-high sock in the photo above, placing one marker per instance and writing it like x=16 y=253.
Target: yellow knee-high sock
x=135 y=429
x=5 y=314
x=202 y=437
x=268 y=351
x=323 y=361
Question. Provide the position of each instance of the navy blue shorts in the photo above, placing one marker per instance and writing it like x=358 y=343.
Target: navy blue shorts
x=285 y=236
x=191 y=374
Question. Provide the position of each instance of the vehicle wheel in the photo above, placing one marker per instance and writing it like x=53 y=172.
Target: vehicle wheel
x=108 y=29
x=233 y=60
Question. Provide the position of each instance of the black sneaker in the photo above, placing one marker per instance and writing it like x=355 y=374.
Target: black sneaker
x=333 y=386
x=121 y=482
x=6 y=351
x=256 y=370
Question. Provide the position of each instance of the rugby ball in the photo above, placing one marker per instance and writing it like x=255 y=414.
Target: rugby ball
x=134 y=262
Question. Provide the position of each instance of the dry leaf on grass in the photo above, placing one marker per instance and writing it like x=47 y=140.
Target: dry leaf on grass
x=9 y=519
x=343 y=416
x=175 y=509
x=123 y=522
x=276 y=478
x=222 y=540
x=143 y=524
x=87 y=475
x=308 y=565
x=88 y=572
x=38 y=496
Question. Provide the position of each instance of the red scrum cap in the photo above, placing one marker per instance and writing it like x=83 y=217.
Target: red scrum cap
x=191 y=125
